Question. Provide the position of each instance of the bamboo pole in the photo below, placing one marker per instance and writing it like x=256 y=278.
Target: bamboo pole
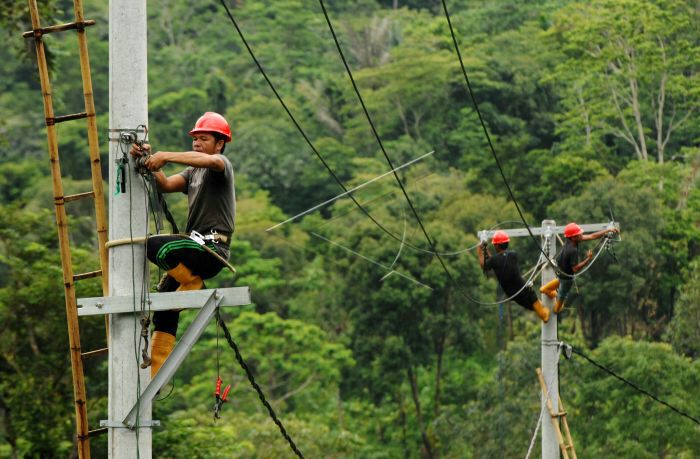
x=552 y=414
x=94 y=147
x=569 y=439
x=64 y=245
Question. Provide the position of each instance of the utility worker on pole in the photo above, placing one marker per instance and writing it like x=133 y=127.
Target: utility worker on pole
x=209 y=185
x=505 y=265
x=568 y=263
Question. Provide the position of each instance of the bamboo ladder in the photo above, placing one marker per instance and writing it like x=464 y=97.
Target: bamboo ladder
x=69 y=279
x=567 y=447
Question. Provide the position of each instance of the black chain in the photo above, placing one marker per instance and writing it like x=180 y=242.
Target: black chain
x=255 y=385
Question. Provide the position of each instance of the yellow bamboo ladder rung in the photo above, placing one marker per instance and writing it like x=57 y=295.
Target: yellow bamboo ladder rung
x=78 y=196
x=61 y=119
x=97 y=432
x=95 y=353
x=88 y=275
x=37 y=32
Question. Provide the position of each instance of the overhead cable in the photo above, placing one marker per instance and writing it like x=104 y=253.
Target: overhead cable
x=431 y=243
x=303 y=133
x=634 y=386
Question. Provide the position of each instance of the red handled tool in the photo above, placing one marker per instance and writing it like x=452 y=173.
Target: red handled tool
x=220 y=398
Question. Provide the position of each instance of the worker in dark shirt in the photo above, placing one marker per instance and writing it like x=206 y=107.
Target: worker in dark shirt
x=568 y=263
x=505 y=265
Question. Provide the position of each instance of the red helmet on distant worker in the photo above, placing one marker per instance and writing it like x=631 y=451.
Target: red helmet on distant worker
x=572 y=229
x=212 y=122
x=500 y=237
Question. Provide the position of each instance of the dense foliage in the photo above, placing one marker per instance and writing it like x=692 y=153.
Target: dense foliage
x=592 y=108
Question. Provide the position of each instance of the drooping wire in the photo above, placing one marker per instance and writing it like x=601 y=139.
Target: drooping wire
x=488 y=137
x=255 y=385
x=303 y=133
x=388 y=159
x=634 y=386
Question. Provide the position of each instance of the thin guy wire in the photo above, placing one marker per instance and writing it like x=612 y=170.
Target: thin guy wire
x=303 y=133
x=255 y=385
x=634 y=386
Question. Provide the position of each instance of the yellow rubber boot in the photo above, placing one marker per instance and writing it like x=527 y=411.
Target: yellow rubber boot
x=541 y=311
x=162 y=345
x=550 y=288
x=185 y=278
x=559 y=306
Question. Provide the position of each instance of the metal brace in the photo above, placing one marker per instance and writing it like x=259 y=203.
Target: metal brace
x=145 y=423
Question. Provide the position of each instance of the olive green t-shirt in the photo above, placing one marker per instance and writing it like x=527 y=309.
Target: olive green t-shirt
x=211 y=199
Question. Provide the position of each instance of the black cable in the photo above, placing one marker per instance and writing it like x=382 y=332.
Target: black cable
x=255 y=385
x=488 y=138
x=634 y=386
x=386 y=156
x=303 y=133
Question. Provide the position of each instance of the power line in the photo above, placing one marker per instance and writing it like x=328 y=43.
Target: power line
x=386 y=155
x=488 y=137
x=255 y=385
x=303 y=133
x=634 y=386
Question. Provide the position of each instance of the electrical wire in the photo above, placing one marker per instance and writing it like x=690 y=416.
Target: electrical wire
x=303 y=133
x=634 y=386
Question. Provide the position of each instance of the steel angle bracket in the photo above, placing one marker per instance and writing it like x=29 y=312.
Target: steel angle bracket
x=192 y=299
x=173 y=362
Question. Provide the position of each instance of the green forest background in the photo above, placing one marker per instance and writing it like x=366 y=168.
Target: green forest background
x=591 y=106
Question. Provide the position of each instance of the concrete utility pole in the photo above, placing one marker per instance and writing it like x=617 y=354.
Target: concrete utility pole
x=549 y=362
x=128 y=108
x=549 y=337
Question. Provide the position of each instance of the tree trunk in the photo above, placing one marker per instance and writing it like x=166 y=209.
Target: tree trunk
x=416 y=401
x=634 y=88
x=440 y=351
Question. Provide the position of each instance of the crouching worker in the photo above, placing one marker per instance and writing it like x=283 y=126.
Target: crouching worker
x=568 y=263
x=209 y=186
x=505 y=265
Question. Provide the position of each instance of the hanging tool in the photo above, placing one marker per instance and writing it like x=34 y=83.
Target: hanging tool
x=220 y=398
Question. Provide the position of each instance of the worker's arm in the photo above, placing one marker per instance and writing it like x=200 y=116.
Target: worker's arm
x=170 y=184
x=187 y=158
x=598 y=234
x=579 y=266
x=482 y=257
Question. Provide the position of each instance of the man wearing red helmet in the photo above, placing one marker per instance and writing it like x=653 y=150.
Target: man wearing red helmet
x=209 y=185
x=568 y=263
x=505 y=265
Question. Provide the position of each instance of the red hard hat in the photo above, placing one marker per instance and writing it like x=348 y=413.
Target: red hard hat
x=212 y=122
x=500 y=237
x=572 y=229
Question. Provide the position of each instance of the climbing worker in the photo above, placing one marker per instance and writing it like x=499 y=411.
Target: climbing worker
x=505 y=265
x=568 y=263
x=209 y=185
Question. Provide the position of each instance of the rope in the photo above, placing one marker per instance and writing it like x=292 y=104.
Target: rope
x=634 y=386
x=255 y=385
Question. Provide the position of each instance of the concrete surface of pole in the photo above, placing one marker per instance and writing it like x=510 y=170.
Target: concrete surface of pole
x=128 y=108
x=550 y=364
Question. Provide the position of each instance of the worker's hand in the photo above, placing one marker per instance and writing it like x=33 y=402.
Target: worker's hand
x=156 y=161
x=589 y=255
x=140 y=150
